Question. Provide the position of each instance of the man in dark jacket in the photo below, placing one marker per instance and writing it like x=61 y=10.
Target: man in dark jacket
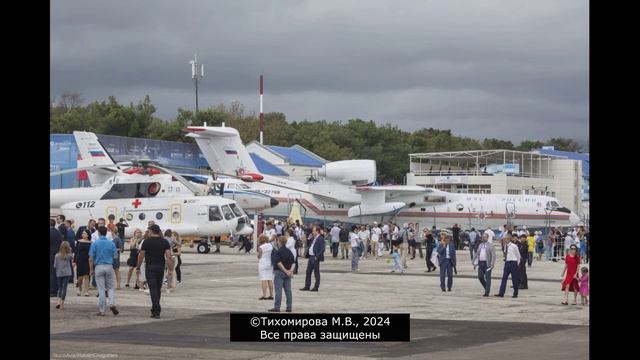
x=55 y=239
x=155 y=250
x=283 y=267
x=315 y=254
x=447 y=260
x=523 y=247
x=456 y=236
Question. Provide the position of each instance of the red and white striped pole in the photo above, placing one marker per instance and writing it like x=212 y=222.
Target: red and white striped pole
x=261 y=113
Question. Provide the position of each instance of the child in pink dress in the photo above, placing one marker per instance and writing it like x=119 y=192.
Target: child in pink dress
x=584 y=285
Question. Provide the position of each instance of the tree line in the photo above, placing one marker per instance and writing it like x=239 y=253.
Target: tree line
x=332 y=140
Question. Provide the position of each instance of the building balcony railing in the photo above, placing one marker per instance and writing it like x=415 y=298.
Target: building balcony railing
x=476 y=173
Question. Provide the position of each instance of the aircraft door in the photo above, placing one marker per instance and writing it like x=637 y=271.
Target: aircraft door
x=291 y=198
x=112 y=210
x=229 y=222
x=175 y=213
x=510 y=212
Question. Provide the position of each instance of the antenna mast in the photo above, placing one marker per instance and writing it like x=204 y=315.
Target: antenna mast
x=195 y=75
x=261 y=113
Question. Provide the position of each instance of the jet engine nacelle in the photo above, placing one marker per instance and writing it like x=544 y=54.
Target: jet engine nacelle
x=382 y=209
x=350 y=172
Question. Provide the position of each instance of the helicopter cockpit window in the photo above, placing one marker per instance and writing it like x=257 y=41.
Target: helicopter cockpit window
x=214 y=213
x=236 y=210
x=228 y=215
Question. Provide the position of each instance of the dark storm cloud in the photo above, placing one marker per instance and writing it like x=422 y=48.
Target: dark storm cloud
x=472 y=66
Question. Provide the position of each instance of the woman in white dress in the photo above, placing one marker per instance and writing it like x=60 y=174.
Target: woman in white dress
x=265 y=269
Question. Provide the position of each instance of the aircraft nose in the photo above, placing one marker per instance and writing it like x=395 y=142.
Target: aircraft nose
x=574 y=219
x=274 y=202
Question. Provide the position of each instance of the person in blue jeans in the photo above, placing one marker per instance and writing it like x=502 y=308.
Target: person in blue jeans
x=62 y=264
x=101 y=255
x=354 y=241
x=447 y=260
x=283 y=266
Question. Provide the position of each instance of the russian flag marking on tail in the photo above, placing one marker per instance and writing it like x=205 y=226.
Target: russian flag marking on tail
x=96 y=153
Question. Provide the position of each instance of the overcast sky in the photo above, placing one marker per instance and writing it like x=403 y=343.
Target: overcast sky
x=512 y=69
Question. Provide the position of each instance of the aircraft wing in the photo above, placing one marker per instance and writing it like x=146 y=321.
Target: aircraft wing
x=374 y=202
x=378 y=200
x=320 y=194
x=422 y=195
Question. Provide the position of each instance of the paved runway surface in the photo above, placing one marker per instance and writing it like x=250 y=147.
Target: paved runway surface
x=455 y=325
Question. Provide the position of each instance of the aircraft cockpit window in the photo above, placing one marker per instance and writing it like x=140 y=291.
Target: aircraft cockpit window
x=552 y=205
x=214 y=213
x=236 y=210
x=228 y=215
x=132 y=190
x=231 y=186
x=244 y=187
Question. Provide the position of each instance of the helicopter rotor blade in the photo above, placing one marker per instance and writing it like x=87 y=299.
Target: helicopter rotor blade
x=66 y=171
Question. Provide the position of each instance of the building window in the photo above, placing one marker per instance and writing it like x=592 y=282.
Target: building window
x=513 y=192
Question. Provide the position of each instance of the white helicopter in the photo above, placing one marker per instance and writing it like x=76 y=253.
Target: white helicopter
x=344 y=193
x=104 y=172
x=140 y=198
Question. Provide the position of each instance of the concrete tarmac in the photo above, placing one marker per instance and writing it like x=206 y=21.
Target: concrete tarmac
x=460 y=324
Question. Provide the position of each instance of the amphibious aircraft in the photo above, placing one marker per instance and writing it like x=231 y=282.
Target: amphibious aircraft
x=345 y=192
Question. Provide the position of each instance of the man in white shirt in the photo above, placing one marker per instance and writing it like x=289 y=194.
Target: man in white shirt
x=363 y=236
x=568 y=241
x=354 y=241
x=375 y=240
x=279 y=229
x=270 y=232
x=511 y=267
x=95 y=235
x=473 y=245
x=335 y=240
x=491 y=234
x=385 y=236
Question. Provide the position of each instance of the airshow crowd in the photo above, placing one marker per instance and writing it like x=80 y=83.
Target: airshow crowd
x=88 y=256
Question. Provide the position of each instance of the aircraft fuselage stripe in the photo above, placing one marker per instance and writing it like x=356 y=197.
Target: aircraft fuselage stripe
x=473 y=215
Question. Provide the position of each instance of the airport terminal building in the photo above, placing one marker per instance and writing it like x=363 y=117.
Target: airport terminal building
x=541 y=172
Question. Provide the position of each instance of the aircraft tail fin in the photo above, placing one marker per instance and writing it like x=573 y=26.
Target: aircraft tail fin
x=92 y=153
x=222 y=148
